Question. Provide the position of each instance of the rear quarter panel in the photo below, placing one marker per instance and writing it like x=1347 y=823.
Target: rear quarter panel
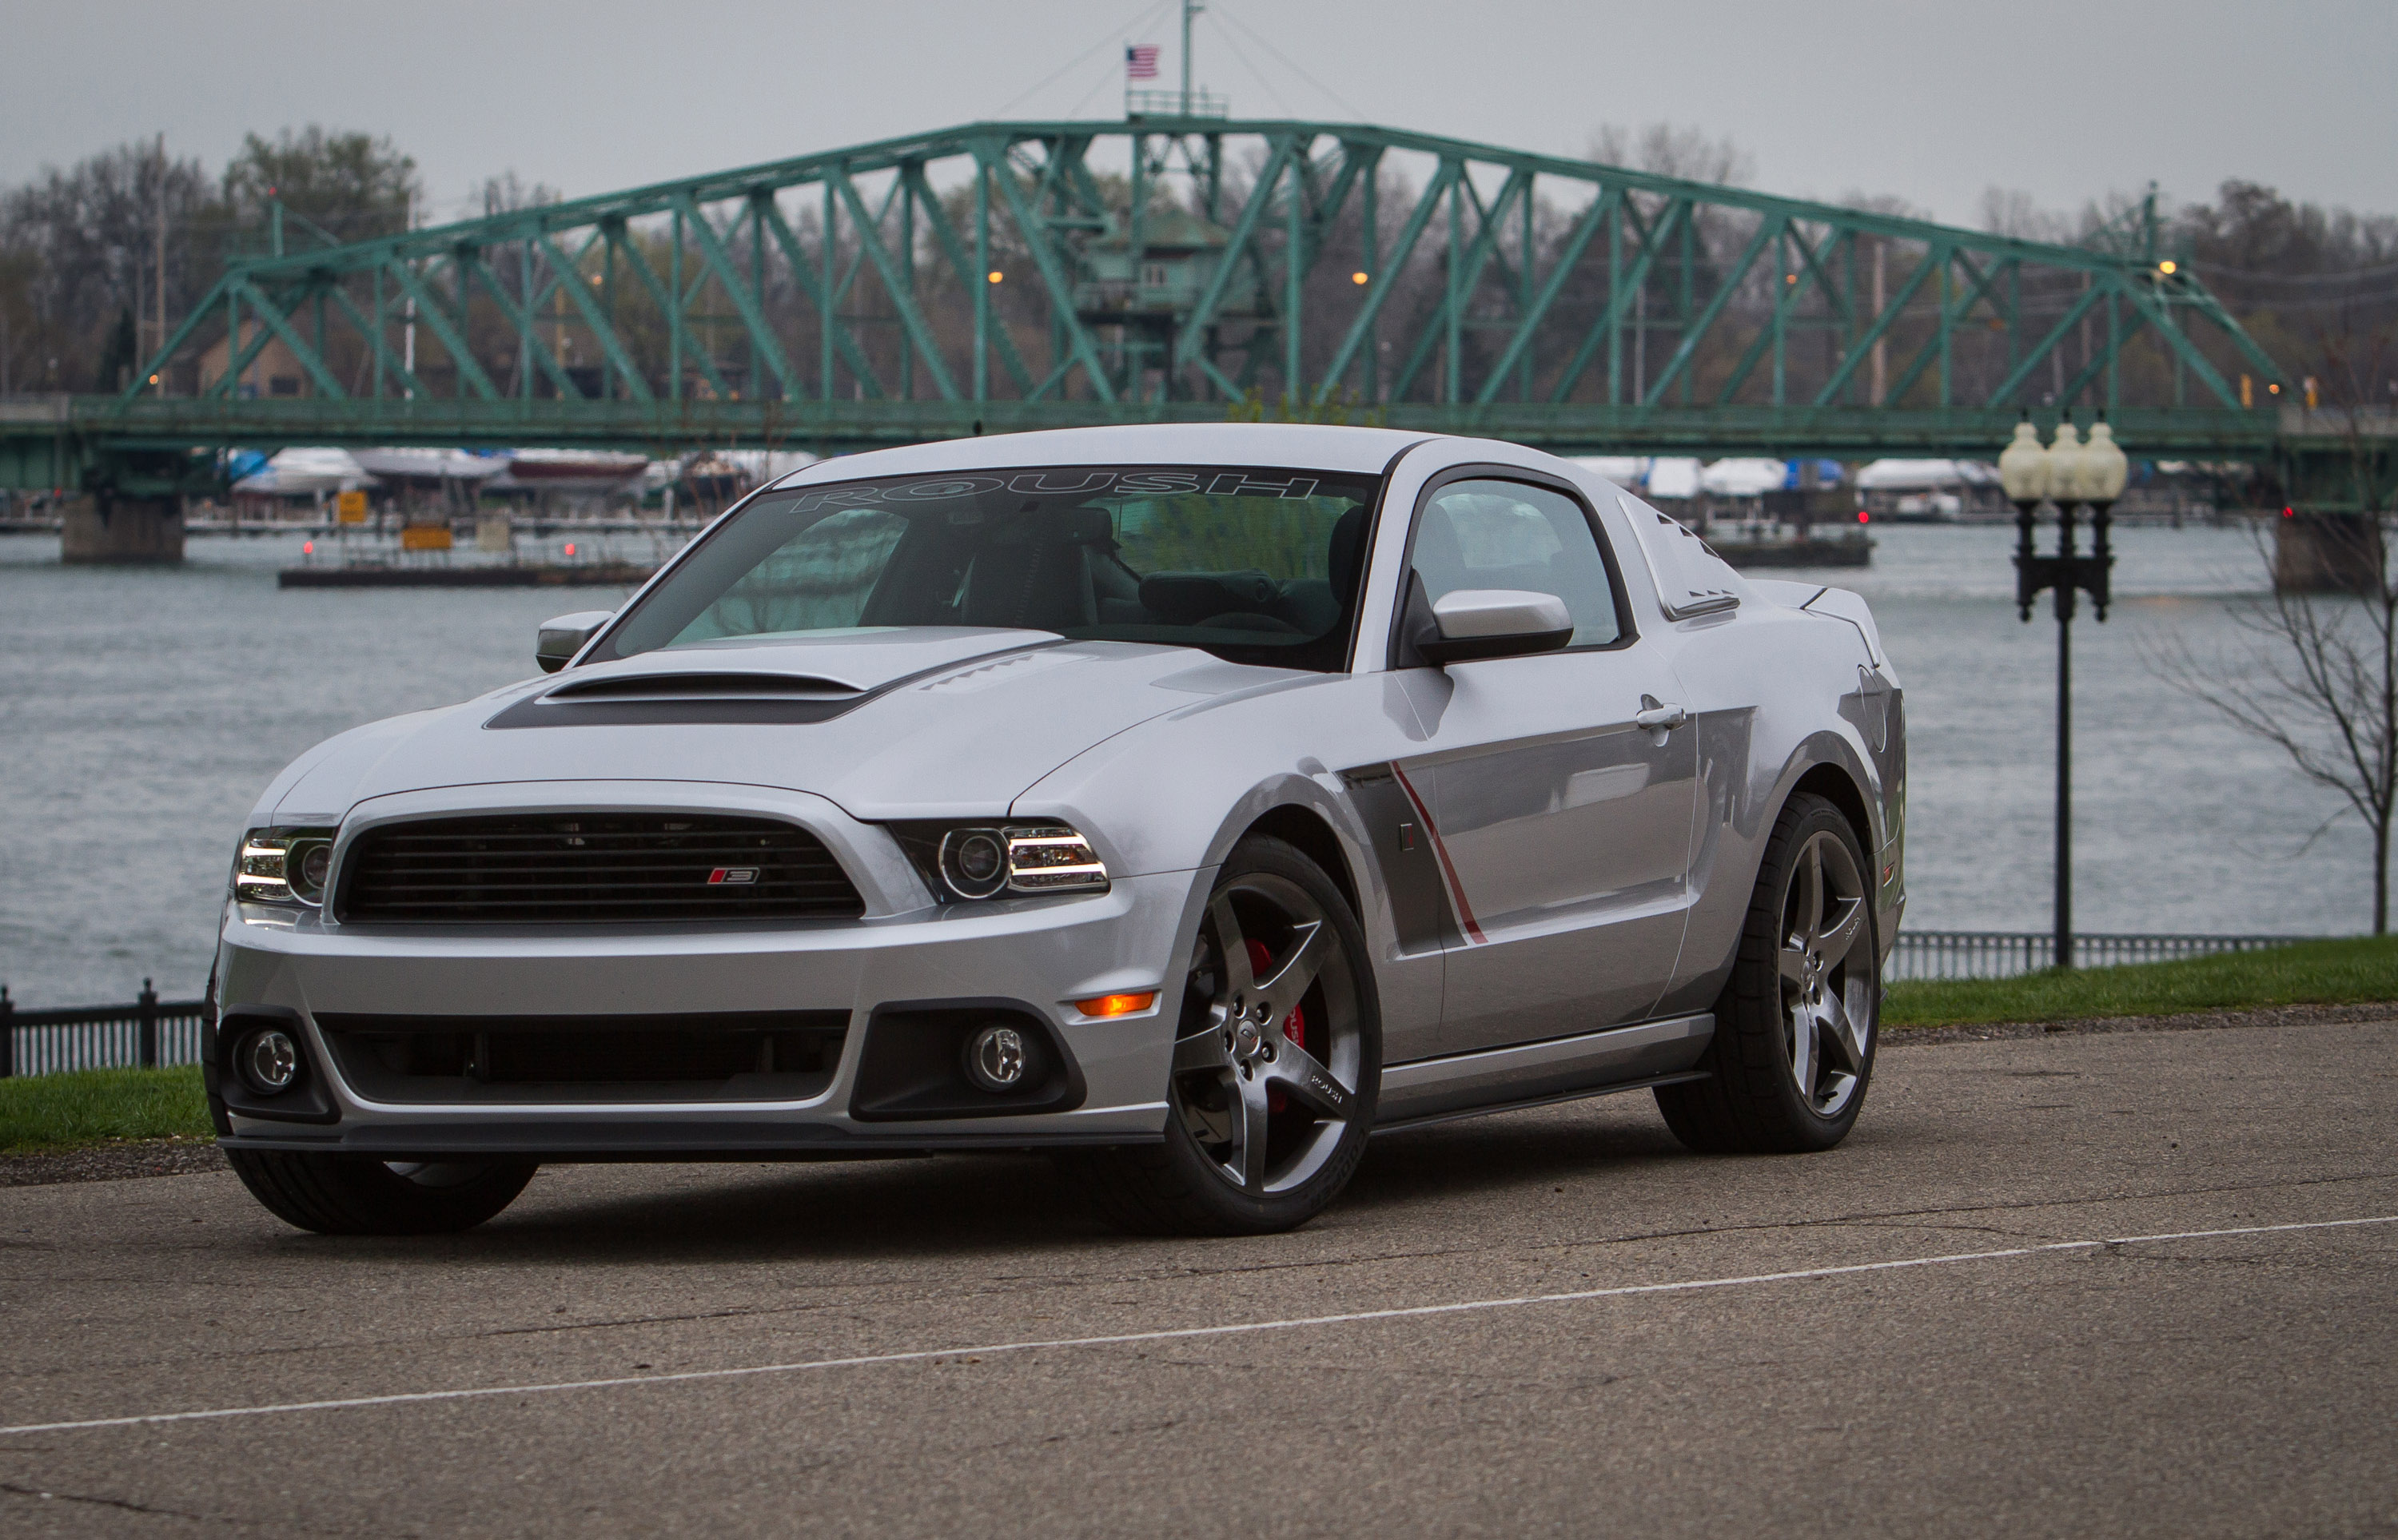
x=1777 y=692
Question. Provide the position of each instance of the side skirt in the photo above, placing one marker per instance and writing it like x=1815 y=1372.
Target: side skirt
x=1428 y=1119
x=1591 y=1064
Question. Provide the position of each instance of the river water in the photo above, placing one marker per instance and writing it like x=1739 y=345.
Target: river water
x=142 y=710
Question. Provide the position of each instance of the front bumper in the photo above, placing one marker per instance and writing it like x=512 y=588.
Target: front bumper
x=1038 y=956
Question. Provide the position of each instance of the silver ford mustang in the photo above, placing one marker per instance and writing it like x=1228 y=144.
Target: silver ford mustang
x=1192 y=802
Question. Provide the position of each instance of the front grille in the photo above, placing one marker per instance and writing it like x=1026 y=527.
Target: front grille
x=593 y=867
x=761 y=1056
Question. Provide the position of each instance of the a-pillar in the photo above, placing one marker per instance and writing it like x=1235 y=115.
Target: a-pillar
x=2326 y=553
x=112 y=529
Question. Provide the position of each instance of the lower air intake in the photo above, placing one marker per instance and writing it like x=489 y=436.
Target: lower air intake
x=738 y=1056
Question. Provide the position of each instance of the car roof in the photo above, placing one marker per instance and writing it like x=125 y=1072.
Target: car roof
x=1311 y=446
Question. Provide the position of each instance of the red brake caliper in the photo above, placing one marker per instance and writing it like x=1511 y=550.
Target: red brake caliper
x=1294 y=1025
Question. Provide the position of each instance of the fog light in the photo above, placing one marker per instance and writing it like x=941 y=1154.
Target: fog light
x=269 y=1060
x=996 y=1059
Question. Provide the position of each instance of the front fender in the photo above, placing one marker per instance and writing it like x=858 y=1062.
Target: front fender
x=1176 y=794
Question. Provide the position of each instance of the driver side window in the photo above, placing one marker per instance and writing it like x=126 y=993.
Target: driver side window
x=1510 y=534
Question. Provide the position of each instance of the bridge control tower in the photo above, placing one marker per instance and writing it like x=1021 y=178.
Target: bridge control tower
x=1146 y=279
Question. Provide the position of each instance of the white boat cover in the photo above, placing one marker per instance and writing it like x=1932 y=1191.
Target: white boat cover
x=1674 y=475
x=1925 y=476
x=409 y=464
x=1746 y=477
x=301 y=472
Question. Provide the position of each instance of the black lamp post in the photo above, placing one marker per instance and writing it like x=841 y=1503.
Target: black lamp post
x=2070 y=474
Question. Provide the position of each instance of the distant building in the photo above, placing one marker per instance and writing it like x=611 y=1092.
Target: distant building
x=275 y=371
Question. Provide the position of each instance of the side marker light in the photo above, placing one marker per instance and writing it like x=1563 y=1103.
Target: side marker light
x=1117 y=1005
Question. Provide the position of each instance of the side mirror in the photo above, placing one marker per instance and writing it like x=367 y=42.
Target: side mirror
x=1494 y=623
x=561 y=638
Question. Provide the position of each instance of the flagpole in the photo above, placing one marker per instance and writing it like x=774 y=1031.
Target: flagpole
x=1190 y=8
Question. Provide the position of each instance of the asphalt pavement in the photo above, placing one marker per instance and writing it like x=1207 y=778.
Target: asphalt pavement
x=2134 y=1284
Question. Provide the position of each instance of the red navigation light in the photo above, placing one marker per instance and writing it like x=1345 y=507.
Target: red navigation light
x=1863 y=517
x=570 y=548
x=307 y=547
x=2289 y=513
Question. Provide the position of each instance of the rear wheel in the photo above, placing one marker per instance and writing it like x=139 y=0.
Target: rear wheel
x=1277 y=1058
x=358 y=1195
x=1796 y=1026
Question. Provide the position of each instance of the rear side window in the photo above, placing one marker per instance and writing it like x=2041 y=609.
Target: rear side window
x=1511 y=534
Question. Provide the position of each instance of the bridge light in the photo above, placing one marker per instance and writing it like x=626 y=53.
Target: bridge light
x=1358 y=278
x=2168 y=267
x=996 y=274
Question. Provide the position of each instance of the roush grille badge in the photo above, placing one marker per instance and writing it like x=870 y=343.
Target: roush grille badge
x=732 y=875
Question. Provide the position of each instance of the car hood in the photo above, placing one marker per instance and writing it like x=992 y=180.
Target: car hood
x=917 y=723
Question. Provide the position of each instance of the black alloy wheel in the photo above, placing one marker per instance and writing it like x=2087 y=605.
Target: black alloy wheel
x=1798 y=1020
x=1277 y=1059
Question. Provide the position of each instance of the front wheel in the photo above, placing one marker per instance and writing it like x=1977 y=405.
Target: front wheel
x=1277 y=1059
x=359 y=1195
x=1797 y=1023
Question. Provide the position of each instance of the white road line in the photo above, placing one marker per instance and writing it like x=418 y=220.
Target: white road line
x=1185 y=1333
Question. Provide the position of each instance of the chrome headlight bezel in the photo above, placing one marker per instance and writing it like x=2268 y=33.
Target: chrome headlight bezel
x=967 y=861
x=283 y=866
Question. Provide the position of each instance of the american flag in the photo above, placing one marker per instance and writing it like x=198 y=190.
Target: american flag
x=1141 y=62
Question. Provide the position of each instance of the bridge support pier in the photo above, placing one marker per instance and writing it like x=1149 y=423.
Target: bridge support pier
x=2328 y=554
x=123 y=529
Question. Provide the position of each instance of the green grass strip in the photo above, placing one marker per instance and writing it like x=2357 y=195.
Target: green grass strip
x=2325 y=972
x=40 y=1113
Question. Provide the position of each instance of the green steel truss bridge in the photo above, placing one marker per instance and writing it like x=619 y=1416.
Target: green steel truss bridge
x=1001 y=276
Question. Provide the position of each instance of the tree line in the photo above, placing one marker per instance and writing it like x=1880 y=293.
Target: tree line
x=88 y=285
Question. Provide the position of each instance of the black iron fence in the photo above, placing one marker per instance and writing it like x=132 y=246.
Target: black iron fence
x=152 y=1031
x=148 y=1032
x=2004 y=954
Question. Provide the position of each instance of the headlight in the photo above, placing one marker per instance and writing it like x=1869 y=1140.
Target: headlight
x=976 y=861
x=283 y=866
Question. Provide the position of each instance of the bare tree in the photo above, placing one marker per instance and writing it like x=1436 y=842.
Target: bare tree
x=2320 y=680
x=1672 y=151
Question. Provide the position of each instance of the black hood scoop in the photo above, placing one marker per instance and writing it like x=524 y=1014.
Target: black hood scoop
x=703 y=687
x=681 y=697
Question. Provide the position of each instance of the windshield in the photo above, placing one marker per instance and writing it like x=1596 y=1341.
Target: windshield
x=1253 y=565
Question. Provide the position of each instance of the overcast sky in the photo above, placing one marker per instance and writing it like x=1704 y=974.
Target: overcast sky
x=2064 y=98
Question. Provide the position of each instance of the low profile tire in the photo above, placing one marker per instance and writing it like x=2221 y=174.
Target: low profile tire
x=356 y=1194
x=1278 y=1060
x=1797 y=1025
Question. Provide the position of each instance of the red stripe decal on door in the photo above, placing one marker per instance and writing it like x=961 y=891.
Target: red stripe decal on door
x=1448 y=871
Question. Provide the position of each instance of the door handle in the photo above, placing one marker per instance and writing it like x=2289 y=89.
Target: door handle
x=1655 y=713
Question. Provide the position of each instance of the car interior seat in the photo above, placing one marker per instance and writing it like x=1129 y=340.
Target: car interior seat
x=1035 y=573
